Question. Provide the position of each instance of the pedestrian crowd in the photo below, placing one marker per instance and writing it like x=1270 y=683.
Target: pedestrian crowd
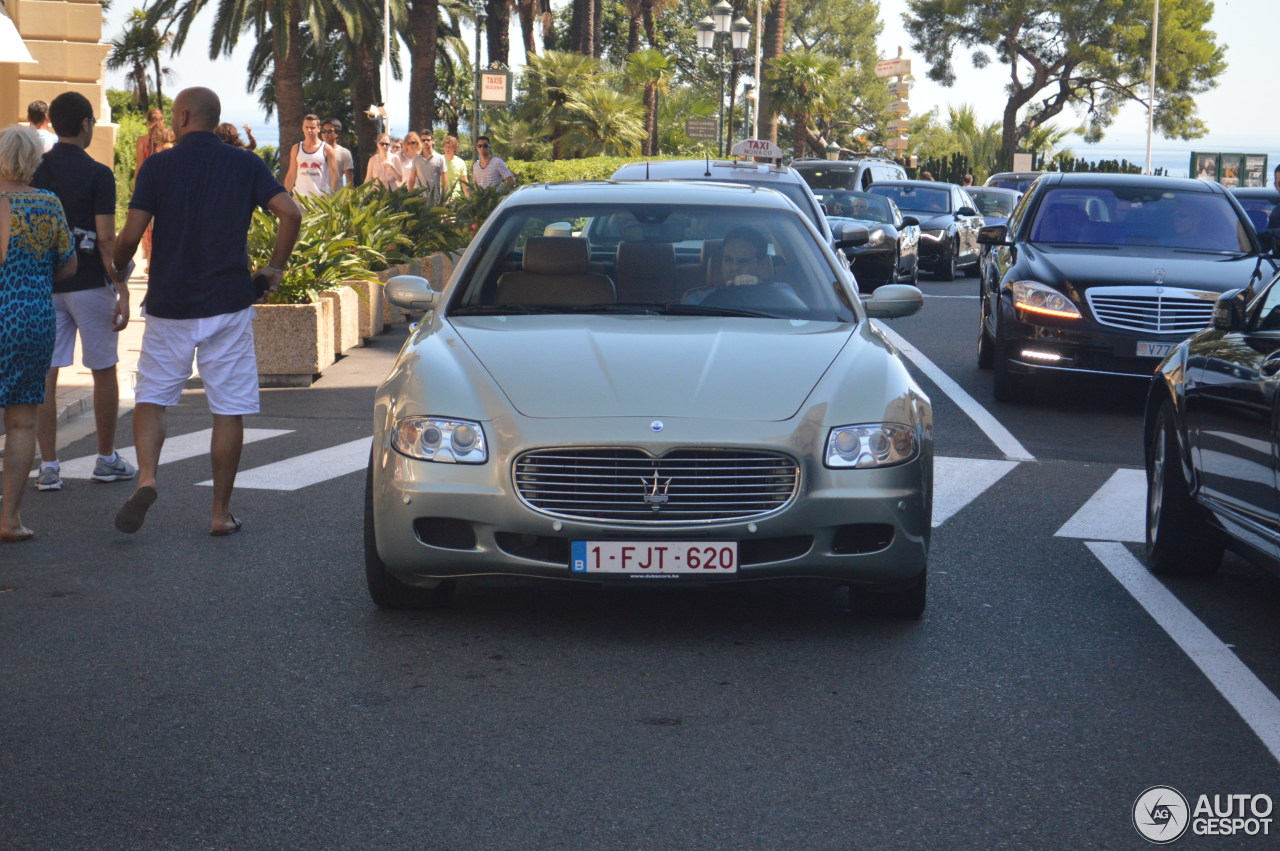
x=64 y=275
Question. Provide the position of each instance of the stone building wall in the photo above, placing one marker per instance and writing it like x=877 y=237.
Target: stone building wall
x=64 y=37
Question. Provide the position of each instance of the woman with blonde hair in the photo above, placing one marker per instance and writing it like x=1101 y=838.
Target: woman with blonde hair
x=35 y=249
x=384 y=166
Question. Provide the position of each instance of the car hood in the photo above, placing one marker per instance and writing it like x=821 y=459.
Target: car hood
x=932 y=221
x=647 y=366
x=1134 y=266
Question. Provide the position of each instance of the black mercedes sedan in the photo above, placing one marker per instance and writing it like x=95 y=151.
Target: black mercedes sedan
x=949 y=222
x=1106 y=274
x=1211 y=441
x=891 y=253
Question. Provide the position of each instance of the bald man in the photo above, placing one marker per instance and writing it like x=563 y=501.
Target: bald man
x=201 y=195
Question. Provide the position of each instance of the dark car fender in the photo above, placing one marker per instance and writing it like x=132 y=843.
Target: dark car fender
x=1168 y=387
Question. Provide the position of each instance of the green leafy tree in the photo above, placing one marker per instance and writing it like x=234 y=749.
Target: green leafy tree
x=551 y=81
x=651 y=69
x=847 y=29
x=605 y=122
x=137 y=51
x=802 y=82
x=1092 y=55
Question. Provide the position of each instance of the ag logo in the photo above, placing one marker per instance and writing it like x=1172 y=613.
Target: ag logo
x=1161 y=814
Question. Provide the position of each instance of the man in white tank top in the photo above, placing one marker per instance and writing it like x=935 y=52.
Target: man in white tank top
x=312 y=170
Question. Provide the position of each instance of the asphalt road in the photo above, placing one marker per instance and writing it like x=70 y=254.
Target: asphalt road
x=172 y=690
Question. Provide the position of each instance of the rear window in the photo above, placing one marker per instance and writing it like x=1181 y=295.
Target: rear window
x=1171 y=218
x=830 y=178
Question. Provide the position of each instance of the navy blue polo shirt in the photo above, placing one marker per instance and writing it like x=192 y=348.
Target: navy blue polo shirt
x=201 y=193
x=87 y=189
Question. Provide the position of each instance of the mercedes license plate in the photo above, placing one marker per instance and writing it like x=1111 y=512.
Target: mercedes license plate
x=653 y=557
x=1154 y=350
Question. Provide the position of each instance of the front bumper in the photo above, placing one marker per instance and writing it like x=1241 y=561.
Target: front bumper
x=441 y=521
x=1086 y=348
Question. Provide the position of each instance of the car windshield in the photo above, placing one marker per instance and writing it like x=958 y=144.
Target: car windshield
x=916 y=199
x=1140 y=215
x=993 y=203
x=647 y=259
x=858 y=205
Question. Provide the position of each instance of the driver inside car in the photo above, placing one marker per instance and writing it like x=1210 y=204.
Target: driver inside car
x=747 y=275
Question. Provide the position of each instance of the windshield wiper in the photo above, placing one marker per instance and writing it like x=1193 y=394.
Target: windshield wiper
x=502 y=310
x=704 y=310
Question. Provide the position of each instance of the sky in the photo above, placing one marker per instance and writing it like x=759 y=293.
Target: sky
x=1238 y=112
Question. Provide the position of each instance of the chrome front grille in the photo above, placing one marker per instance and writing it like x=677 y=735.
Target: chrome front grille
x=630 y=486
x=1158 y=310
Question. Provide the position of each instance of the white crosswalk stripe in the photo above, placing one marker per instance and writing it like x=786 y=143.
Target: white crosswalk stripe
x=309 y=469
x=1116 y=512
x=959 y=481
x=177 y=448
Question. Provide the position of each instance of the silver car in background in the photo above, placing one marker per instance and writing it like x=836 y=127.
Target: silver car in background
x=629 y=412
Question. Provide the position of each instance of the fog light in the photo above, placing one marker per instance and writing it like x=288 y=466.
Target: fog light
x=1042 y=356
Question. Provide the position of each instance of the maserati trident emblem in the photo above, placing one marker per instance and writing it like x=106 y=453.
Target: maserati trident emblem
x=655 y=490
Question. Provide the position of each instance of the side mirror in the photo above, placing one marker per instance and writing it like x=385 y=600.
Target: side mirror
x=1228 y=311
x=993 y=235
x=851 y=235
x=410 y=292
x=893 y=300
x=909 y=221
x=966 y=211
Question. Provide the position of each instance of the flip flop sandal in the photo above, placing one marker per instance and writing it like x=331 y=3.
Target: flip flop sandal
x=222 y=533
x=134 y=512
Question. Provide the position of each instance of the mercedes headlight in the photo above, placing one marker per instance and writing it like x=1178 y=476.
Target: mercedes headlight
x=934 y=235
x=1037 y=298
x=439 y=439
x=872 y=445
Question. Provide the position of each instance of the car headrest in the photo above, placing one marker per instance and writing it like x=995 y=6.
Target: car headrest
x=555 y=255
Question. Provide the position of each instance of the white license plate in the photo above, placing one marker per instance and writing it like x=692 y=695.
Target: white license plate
x=652 y=557
x=1154 y=350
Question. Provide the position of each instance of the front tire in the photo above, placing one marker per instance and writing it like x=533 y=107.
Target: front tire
x=1180 y=541
x=947 y=262
x=1006 y=385
x=387 y=591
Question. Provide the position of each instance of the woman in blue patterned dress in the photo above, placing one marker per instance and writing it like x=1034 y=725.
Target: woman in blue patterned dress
x=35 y=248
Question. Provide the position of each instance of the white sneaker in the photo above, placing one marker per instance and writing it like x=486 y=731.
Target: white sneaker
x=117 y=472
x=48 y=479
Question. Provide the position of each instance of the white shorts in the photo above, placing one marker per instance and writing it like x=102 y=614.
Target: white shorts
x=222 y=347
x=91 y=313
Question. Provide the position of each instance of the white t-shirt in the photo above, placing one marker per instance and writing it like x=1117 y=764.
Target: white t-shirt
x=344 y=164
x=489 y=175
x=47 y=138
x=313 y=176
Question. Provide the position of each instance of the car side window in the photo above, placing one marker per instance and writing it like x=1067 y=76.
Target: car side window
x=1019 y=212
x=1266 y=316
x=867 y=177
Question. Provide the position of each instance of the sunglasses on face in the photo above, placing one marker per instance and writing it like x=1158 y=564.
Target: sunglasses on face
x=384 y=144
x=482 y=146
x=329 y=132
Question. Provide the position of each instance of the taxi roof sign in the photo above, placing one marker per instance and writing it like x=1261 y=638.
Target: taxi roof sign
x=757 y=148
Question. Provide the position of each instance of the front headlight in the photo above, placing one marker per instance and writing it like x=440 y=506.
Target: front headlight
x=439 y=439
x=875 y=237
x=1037 y=298
x=871 y=445
x=934 y=235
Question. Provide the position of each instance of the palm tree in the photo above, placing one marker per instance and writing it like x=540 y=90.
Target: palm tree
x=979 y=143
x=802 y=86
x=775 y=40
x=551 y=81
x=605 y=122
x=281 y=18
x=651 y=69
x=136 y=48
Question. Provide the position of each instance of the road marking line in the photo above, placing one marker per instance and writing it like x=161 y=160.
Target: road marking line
x=1116 y=511
x=309 y=469
x=178 y=448
x=991 y=427
x=1255 y=703
x=959 y=481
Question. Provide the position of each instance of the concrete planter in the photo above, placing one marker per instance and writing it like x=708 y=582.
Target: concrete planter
x=294 y=342
x=369 y=296
x=346 y=318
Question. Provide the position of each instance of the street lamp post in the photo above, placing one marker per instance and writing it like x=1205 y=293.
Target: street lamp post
x=721 y=21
